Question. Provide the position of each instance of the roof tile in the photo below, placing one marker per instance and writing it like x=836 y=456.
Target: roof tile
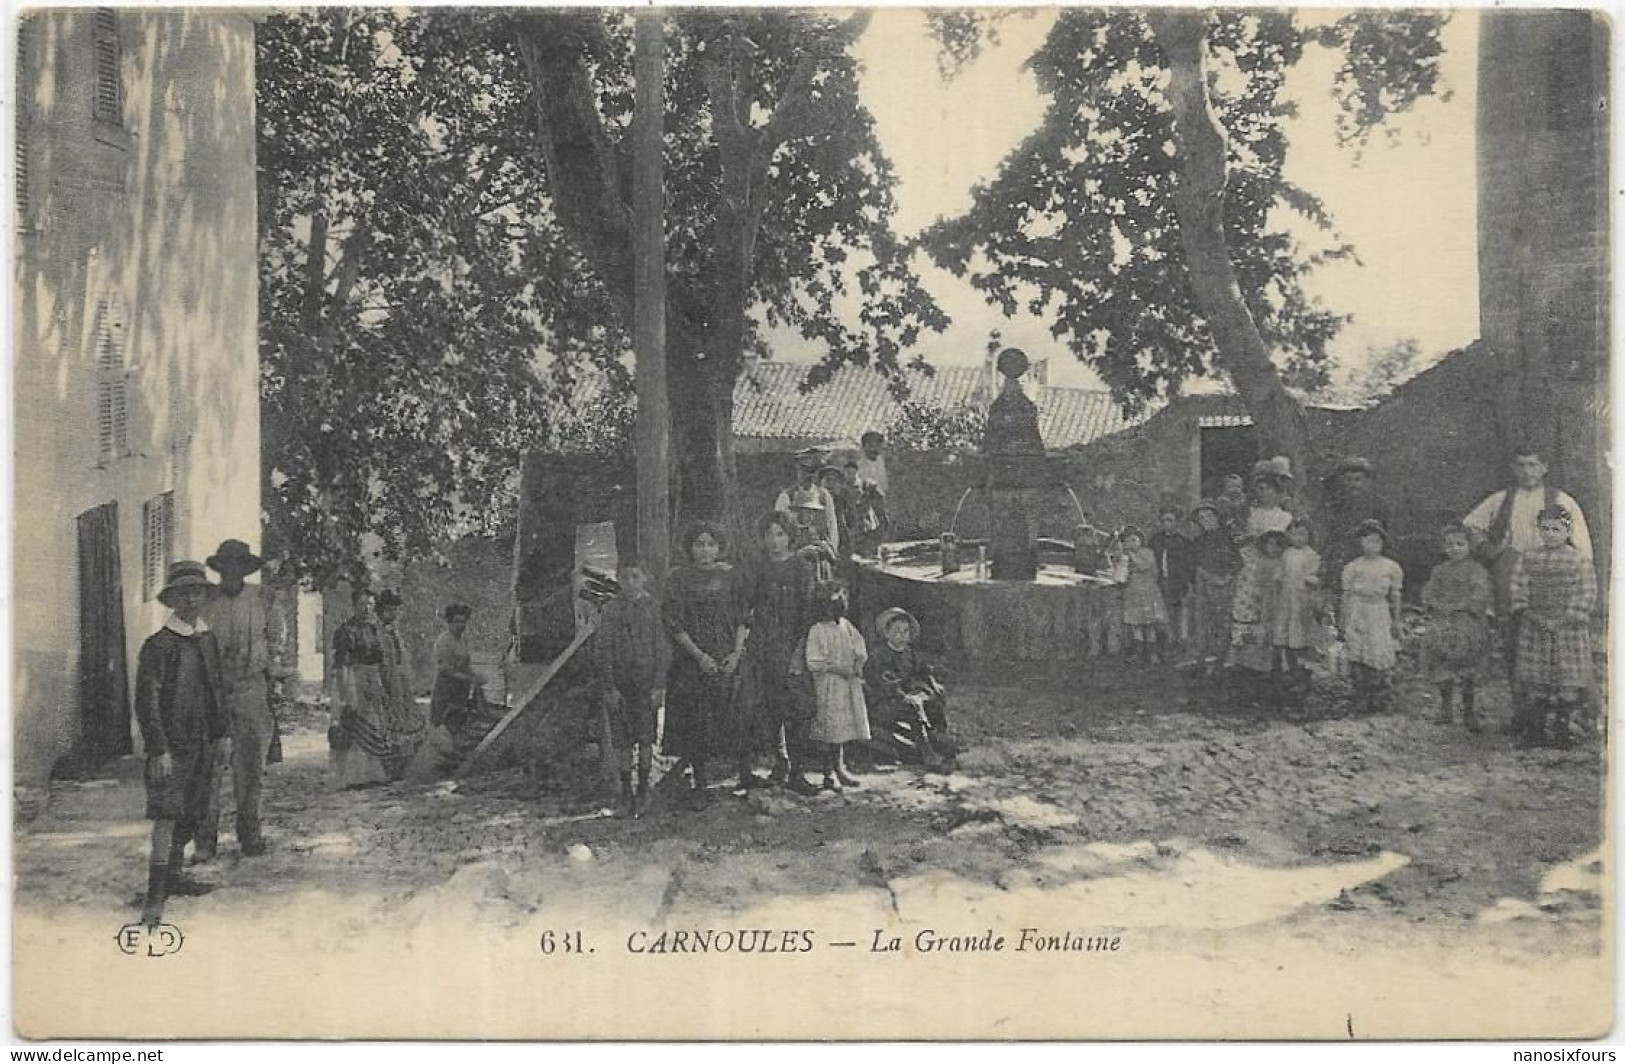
x=769 y=404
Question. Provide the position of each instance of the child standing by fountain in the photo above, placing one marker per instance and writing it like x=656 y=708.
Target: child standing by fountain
x=1217 y=562
x=1553 y=590
x=1144 y=612
x=1456 y=646
x=1176 y=569
x=836 y=655
x=1294 y=623
x=1371 y=599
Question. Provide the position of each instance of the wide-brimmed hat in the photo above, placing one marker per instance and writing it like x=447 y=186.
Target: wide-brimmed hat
x=1351 y=464
x=388 y=597
x=1369 y=525
x=1279 y=466
x=183 y=575
x=887 y=616
x=1208 y=505
x=235 y=552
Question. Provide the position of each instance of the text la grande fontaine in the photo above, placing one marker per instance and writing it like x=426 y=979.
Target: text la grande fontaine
x=1025 y=940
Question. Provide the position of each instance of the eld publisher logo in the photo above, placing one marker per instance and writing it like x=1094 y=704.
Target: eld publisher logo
x=157 y=941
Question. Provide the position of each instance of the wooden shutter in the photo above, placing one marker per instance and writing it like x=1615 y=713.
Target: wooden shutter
x=157 y=543
x=112 y=390
x=109 y=101
x=25 y=95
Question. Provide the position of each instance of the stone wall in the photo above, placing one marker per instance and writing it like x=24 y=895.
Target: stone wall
x=146 y=223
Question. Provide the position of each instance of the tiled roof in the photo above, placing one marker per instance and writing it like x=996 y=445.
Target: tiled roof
x=769 y=404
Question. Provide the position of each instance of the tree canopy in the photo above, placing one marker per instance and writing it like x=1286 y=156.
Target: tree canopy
x=445 y=203
x=1084 y=220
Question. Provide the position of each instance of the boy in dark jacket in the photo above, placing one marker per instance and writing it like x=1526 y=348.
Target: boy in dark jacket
x=181 y=708
x=1176 y=570
x=633 y=654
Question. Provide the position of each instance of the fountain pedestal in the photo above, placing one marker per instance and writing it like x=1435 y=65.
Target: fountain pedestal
x=1014 y=450
x=1061 y=615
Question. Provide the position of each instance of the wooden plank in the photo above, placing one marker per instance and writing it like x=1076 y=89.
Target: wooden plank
x=582 y=635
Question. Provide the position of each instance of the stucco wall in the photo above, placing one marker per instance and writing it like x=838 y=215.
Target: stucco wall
x=158 y=210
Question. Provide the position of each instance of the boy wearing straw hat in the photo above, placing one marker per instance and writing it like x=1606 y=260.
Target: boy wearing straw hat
x=180 y=706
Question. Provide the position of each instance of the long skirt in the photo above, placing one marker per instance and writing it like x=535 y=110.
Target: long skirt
x=1556 y=661
x=702 y=712
x=382 y=727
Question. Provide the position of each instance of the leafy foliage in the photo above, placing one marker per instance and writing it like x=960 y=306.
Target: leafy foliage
x=445 y=207
x=1080 y=220
x=398 y=337
x=923 y=426
x=1378 y=372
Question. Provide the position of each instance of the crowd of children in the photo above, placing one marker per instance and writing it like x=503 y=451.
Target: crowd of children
x=763 y=661
x=1243 y=588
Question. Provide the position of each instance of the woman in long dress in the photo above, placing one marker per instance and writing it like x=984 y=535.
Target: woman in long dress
x=704 y=613
x=781 y=611
x=374 y=733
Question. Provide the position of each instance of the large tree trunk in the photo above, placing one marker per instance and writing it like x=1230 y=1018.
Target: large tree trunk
x=1199 y=204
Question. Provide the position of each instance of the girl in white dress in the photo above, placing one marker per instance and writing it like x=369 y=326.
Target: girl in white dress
x=1372 y=584
x=836 y=654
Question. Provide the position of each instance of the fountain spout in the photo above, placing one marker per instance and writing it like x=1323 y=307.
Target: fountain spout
x=1082 y=520
x=958 y=508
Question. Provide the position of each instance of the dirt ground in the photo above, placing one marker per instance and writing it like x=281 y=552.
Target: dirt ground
x=1129 y=803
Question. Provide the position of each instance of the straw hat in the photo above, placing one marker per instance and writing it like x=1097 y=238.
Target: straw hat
x=183 y=575
x=887 y=616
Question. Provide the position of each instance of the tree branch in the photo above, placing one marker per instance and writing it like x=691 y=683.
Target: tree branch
x=581 y=165
x=1200 y=156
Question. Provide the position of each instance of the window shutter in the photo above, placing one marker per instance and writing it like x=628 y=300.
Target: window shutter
x=158 y=543
x=24 y=94
x=109 y=102
x=112 y=388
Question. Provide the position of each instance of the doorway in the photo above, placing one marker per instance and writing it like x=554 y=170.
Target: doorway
x=104 y=690
x=1224 y=450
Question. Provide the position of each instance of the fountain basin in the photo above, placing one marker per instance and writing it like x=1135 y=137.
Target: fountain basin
x=1058 y=615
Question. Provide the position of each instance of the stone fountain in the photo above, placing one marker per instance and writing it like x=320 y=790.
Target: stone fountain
x=1031 y=602
x=1014 y=453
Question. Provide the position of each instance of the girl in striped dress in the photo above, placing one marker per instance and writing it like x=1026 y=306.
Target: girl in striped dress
x=1553 y=591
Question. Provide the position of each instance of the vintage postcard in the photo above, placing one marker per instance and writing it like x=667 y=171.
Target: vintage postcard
x=772 y=523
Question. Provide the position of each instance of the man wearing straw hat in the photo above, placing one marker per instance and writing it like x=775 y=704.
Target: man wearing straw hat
x=241 y=618
x=181 y=709
x=806 y=494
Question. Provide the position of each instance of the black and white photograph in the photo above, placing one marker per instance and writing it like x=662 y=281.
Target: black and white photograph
x=767 y=523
